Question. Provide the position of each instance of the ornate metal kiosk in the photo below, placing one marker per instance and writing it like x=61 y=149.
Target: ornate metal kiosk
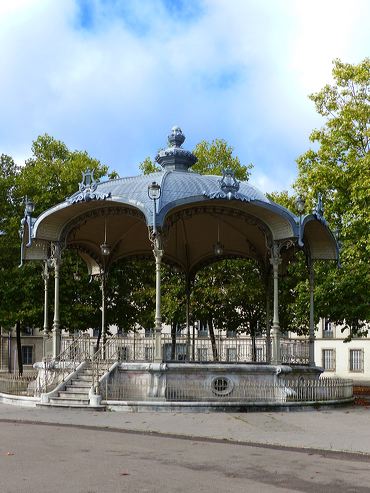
x=192 y=220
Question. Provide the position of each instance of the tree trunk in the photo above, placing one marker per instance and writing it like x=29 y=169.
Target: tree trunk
x=173 y=341
x=19 y=347
x=213 y=340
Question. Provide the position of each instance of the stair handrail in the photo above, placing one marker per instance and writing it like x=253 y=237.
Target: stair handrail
x=74 y=354
x=103 y=358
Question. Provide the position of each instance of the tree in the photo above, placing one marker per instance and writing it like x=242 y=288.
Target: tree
x=214 y=157
x=147 y=166
x=338 y=167
x=52 y=173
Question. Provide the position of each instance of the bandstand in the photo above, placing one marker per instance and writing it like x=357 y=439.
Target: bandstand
x=186 y=220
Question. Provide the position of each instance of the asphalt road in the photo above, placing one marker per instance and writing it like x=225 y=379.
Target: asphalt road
x=72 y=458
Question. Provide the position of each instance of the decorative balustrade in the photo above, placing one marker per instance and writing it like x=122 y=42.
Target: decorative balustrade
x=138 y=347
x=15 y=384
x=285 y=391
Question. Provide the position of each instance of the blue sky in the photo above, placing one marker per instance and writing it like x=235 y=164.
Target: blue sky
x=113 y=76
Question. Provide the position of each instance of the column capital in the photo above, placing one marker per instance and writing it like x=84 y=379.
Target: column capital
x=275 y=261
x=56 y=254
x=45 y=270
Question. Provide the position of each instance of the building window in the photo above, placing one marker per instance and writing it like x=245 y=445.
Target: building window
x=328 y=332
x=231 y=354
x=28 y=331
x=356 y=360
x=203 y=329
x=259 y=354
x=149 y=332
x=27 y=355
x=178 y=328
x=328 y=359
x=202 y=353
x=231 y=333
x=148 y=353
x=96 y=332
x=123 y=353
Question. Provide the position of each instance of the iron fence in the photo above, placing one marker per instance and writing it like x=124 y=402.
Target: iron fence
x=223 y=389
x=132 y=347
x=15 y=384
x=239 y=349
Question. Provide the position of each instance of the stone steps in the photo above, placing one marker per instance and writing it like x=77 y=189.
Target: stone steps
x=75 y=393
x=67 y=400
x=71 y=405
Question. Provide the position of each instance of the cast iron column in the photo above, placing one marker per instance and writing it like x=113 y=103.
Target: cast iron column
x=103 y=309
x=158 y=253
x=312 y=320
x=187 y=317
x=56 y=259
x=154 y=193
x=45 y=276
x=275 y=330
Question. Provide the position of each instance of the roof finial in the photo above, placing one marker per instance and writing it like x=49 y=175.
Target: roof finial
x=175 y=158
x=176 y=138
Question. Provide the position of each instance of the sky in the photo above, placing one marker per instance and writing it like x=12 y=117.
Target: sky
x=112 y=77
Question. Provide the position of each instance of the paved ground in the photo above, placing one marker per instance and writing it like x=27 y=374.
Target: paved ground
x=88 y=452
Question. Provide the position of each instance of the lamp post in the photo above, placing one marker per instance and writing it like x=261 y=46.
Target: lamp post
x=154 y=193
x=299 y=203
x=28 y=211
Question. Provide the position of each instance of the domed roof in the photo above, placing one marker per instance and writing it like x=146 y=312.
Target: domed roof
x=178 y=184
x=190 y=210
x=177 y=187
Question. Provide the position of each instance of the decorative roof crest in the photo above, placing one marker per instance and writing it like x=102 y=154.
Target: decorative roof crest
x=229 y=188
x=318 y=210
x=87 y=189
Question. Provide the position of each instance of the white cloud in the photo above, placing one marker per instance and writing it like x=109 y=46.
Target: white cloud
x=237 y=70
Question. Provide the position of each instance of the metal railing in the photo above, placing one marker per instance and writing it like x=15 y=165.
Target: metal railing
x=103 y=358
x=222 y=389
x=71 y=356
x=240 y=349
x=15 y=384
x=295 y=351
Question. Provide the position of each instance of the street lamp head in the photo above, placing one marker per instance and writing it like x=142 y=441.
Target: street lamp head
x=299 y=203
x=29 y=207
x=218 y=249
x=105 y=249
x=154 y=191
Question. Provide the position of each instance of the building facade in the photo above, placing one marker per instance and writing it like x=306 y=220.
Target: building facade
x=340 y=358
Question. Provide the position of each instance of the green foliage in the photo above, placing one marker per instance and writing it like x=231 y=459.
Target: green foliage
x=339 y=167
x=214 y=157
x=131 y=294
x=147 y=167
x=232 y=294
x=52 y=173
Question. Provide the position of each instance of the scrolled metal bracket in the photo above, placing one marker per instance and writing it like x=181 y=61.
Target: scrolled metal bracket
x=87 y=190
x=318 y=210
x=229 y=188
